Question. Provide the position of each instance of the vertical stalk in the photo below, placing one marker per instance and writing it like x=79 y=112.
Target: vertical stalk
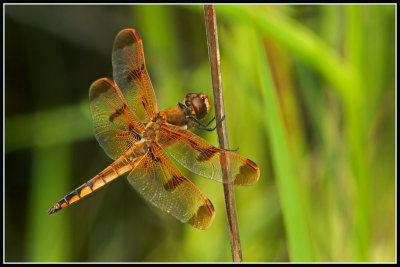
x=213 y=54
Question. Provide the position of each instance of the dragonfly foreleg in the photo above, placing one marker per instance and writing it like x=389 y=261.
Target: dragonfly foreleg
x=205 y=126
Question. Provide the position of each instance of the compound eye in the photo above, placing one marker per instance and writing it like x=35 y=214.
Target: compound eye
x=206 y=102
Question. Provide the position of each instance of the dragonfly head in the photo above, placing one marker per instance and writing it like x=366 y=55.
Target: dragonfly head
x=198 y=103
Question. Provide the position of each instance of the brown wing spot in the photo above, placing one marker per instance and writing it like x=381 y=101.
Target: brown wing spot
x=145 y=102
x=204 y=216
x=132 y=131
x=248 y=174
x=170 y=185
x=99 y=87
x=126 y=38
x=117 y=113
x=206 y=154
x=131 y=128
x=137 y=136
x=194 y=145
x=154 y=158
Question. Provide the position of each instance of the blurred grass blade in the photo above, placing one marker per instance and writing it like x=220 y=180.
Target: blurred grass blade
x=155 y=22
x=299 y=40
x=299 y=243
x=356 y=121
x=48 y=128
x=48 y=237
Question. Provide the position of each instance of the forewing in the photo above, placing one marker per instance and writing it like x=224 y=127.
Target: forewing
x=115 y=126
x=161 y=183
x=200 y=157
x=130 y=74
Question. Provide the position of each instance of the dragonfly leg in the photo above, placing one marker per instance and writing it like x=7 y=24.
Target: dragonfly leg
x=213 y=120
x=205 y=126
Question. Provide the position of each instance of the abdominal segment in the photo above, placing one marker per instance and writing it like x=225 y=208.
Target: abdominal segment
x=122 y=165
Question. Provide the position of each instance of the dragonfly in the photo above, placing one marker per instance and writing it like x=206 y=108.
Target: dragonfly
x=141 y=140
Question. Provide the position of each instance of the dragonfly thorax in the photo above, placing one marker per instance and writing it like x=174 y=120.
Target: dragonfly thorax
x=153 y=127
x=145 y=151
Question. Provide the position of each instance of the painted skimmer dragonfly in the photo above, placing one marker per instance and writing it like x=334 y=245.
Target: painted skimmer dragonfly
x=141 y=139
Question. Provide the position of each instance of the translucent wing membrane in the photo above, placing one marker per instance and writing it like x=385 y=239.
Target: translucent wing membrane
x=115 y=126
x=202 y=158
x=130 y=74
x=121 y=113
x=161 y=183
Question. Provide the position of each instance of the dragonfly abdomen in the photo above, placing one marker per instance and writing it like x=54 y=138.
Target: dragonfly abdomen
x=116 y=169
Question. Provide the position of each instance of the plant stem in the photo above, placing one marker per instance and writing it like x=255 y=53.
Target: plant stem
x=213 y=53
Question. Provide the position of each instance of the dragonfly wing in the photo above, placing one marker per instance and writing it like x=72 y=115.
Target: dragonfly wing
x=130 y=73
x=115 y=126
x=200 y=157
x=160 y=182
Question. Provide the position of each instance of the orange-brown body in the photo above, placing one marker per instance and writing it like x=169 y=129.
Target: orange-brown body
x=173 y=116
x=141 y=140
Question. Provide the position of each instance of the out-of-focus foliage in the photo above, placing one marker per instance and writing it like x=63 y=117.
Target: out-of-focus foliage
x=309 y=95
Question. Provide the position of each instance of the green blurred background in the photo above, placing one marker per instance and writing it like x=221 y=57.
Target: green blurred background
x=310 y=97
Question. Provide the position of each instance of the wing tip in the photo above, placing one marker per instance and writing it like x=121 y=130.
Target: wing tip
x=204 y=216
x=126 y=37
x=100 y=86
x=249 y=174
